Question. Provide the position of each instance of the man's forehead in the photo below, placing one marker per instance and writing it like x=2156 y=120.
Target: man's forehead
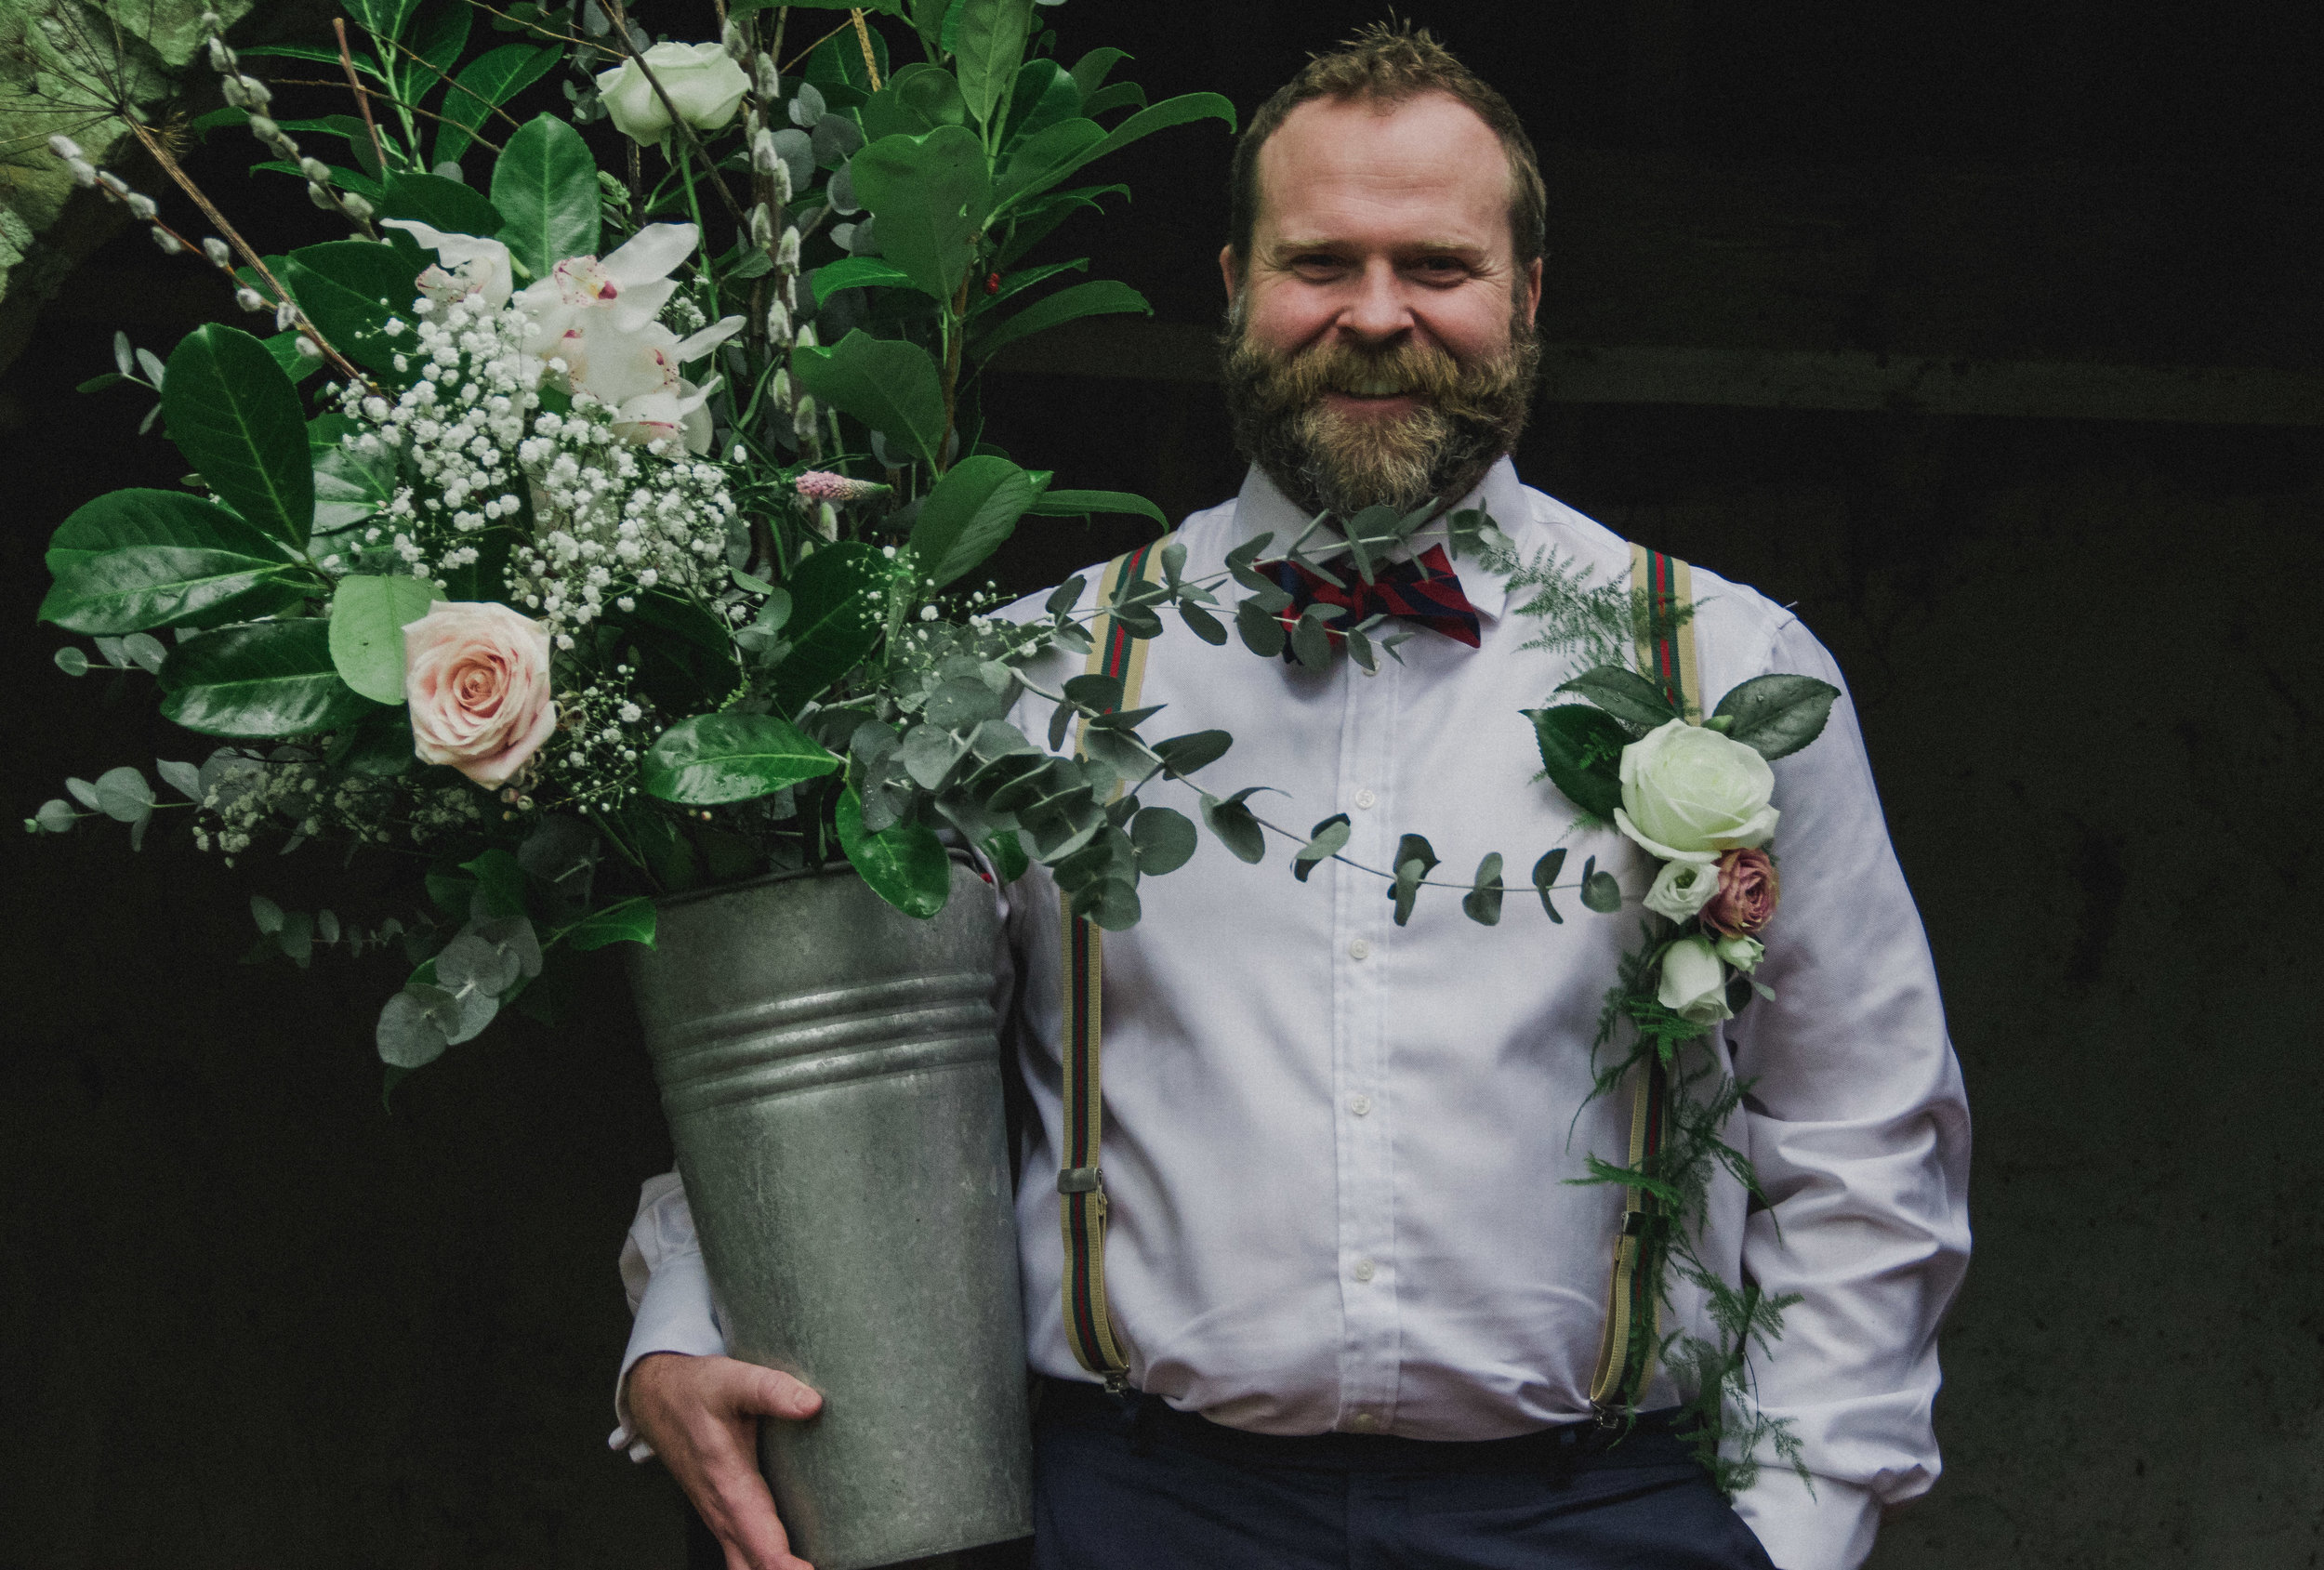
x=1426 y=172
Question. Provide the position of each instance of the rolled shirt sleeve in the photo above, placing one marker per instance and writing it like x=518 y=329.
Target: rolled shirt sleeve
x=669 y=1293
x=1858 y=1128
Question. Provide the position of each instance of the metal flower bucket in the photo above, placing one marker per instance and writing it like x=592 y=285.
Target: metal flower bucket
x=829 y=1069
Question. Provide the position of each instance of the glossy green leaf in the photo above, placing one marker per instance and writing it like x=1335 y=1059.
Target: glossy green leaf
x=631 y=921
x=1044 y=95
x=294 y=362
x=1182 y=110
x=368 y=615
x=349 y=489
x=968 y=515
x=1010 y=862
x=1100 y=296
x=853 y=273
x=1625 y=694
x=904 y=863
x=1581 y=747
x=713 y=759
x=350 y=288
x=482 y=85
x=121 y=518
x=235 y=416
x=838 y=608
x=261 y=679
x=988 y=44
x=441 y=204
x=155 y=586
x=439 y=41
x=1078 y=504
x=889 y=385
x=1775 y=716
x=1043 y=159
x=545 y=185
x=931 y=195
x=1092 y=69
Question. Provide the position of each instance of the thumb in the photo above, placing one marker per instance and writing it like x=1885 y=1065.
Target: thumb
x=768 y=1392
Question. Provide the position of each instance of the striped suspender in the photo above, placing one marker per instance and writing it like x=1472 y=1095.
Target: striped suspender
x=1081 y=1184
x=1626 y=1353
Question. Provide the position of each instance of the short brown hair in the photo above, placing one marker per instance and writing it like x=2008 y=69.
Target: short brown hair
x=1389 y=65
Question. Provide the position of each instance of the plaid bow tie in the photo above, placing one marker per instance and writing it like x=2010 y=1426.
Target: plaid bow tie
x=1426 y=591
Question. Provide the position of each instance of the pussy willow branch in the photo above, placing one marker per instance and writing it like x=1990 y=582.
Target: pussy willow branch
x=171 y=167
x=363 y=100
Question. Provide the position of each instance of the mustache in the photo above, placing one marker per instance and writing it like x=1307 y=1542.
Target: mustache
x=1282 y=385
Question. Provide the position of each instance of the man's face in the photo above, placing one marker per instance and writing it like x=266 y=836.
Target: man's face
x=1381 y=345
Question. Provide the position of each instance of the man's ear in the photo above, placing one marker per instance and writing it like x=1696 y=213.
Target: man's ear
x=1234 y=282
x=1533 y=289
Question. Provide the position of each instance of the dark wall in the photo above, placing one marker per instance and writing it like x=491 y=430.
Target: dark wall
x=252 y=1318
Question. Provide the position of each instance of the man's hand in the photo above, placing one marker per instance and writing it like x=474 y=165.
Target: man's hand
x=701 y=1415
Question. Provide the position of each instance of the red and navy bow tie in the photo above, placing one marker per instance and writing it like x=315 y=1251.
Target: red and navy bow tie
x=1425 y=591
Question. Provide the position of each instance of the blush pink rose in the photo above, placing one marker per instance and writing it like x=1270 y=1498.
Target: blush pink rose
x=1749 y=889
x=476 y=675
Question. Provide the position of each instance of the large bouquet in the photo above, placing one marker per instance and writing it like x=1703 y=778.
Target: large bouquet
x=624 y=539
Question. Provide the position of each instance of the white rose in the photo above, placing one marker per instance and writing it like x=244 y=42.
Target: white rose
x=703 y=81
x=1689 y=792
x=1693 y=983
x=1743 y=954
x=1682 y=889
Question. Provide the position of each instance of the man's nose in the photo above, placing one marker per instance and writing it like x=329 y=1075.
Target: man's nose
x=1379 y=313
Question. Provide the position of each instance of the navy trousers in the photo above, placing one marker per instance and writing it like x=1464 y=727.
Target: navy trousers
x=1127 y=1484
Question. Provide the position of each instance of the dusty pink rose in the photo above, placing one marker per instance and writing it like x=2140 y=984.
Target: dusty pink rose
x=476 y=675
x=1748 y=892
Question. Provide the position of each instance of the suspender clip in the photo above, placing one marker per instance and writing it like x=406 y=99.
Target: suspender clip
x=1080 y=1180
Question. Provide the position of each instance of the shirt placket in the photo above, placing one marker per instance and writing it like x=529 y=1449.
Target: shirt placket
x=1363 y=942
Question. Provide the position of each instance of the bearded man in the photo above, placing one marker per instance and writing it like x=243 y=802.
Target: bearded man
x=1358 y=1300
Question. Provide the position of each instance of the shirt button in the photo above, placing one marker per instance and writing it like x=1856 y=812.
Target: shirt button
x=1364 y=1422
x=1360 y=1105
x=1359 y=949
x=1365 y=1270
x=1365 y=798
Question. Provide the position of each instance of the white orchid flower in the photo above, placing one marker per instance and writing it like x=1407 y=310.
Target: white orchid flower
x=469 y=268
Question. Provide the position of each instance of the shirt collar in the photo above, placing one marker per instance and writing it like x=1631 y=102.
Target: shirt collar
x=1261 y=506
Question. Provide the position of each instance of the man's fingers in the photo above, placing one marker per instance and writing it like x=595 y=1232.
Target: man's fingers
x=740 y=1513
x=767 y=1393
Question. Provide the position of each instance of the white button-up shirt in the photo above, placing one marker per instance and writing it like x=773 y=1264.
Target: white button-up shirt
x=1336 y=1151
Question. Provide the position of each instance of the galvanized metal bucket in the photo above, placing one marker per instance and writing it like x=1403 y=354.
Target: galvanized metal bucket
x=829 y=1069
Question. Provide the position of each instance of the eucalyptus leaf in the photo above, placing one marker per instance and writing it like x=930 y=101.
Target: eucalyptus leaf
x=1164 y=840
x=1545 y=873
x=55 y=816
x=1601 y=893
x=71 y=660
x=1324 y=841
x=1481 y=904
x=411 y=1033
x=1235 y=825
x=1414 y=861
x=123 y=796
x=184 y=778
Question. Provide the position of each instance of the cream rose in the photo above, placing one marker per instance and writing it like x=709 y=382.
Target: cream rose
x=1743 y=954
x=1689 y=792
x=1681 y=889
x=703 y=81
x=476 y=675
x=1693 y=983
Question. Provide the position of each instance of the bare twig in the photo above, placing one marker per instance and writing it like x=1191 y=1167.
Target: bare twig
x=363 y=100
x=412 y=107
x=798 y=58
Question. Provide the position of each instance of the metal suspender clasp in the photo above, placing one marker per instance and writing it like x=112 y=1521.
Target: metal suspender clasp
x=1081 y=1179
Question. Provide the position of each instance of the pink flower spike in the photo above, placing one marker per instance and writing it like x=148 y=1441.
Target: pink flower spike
x=822 y=485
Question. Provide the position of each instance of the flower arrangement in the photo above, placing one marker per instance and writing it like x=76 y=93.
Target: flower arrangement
x=627 y=546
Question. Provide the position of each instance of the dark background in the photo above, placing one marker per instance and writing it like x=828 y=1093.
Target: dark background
x=248 y=1318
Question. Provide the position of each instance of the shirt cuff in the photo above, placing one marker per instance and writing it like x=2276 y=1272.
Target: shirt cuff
x=1831 y=1529
x=674 y=1314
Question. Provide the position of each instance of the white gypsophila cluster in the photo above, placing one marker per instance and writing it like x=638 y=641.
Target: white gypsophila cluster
x=609 y=517
x=606 y=726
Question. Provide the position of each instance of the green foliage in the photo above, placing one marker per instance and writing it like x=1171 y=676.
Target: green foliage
x=904 y=863
x=368 y=615
x=482 y=85
x=1581 y=748
x=894 y=386
x=442 y=205
x=1775 y=716
x=931 y=195
x=720 y=757
x=262 y=680
x=349 y=289
x=838 y=598
x=1098 y=297
x=544 y=186
x=971 y=511
x=236 y=417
